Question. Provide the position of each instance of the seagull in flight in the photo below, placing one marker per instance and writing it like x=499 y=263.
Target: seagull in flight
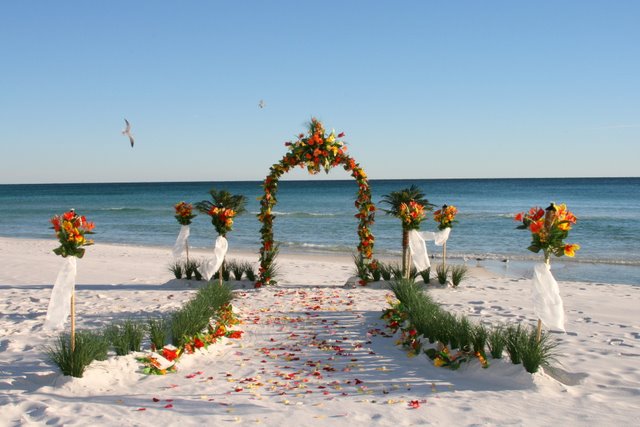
x=127 y=132
x=261 y=104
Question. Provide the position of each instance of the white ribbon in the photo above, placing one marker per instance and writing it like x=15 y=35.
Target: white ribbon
x=418 y=245
x=181 y=242
x=60 y=302
x=547 y=304
x=211 y=265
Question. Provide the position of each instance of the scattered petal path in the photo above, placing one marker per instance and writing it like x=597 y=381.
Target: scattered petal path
x=312 y=350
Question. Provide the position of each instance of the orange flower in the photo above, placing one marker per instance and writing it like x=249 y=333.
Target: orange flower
x=570 y=249
x=519 y=217
x=536 y=226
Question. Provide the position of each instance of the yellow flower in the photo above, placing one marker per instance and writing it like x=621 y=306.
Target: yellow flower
x=570 y=249
x=438 y=362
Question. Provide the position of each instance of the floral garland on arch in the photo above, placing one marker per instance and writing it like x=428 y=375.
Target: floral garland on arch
x=314 y=151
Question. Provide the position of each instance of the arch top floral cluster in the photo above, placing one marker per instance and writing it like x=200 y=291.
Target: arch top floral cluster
x=445 y=217
x=314 y=151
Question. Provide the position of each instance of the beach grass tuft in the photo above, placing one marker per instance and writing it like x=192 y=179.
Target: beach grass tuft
x=497 y=341
x=89 y=346
x=158 y=329
x=442 y=271
x=458 y=274
x=177 y=269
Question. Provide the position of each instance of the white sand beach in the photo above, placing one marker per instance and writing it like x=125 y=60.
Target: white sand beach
x=313 y=351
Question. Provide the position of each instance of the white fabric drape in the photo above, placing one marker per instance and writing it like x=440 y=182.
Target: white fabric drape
x=418 y=245
x=181 y=242
x=211 y=265
x=60 y=301
x=547 y=303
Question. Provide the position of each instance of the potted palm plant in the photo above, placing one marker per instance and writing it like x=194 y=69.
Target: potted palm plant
x=408 y=205
x=223 y=208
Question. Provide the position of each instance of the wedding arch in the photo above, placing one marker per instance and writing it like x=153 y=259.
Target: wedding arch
x=314 y=151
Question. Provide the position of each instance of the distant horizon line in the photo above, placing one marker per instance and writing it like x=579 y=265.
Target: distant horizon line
x=322 y=180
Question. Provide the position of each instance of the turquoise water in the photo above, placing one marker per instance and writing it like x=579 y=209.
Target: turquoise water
x=317 y=216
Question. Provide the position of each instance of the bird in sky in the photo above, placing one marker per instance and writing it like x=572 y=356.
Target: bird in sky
x=127 y=132
x=261 y=104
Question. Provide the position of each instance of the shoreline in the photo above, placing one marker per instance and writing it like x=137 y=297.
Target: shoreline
x=517 y=267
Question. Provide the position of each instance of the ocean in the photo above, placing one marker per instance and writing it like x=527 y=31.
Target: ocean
x=317 y=216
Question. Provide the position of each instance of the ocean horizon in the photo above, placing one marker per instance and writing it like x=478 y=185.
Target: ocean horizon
x=316 y=216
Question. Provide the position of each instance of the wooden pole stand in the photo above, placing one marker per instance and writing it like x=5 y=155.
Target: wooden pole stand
x=73 y=322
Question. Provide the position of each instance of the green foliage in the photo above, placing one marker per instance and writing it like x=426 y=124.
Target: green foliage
x=89 y=346
x=442 y=272
x=497 y=341
x=237 y=268
x=176 y=269
x=479 y=337
x=514 y=341
x=158 y=329
x=534 y=353
x=397 y=198
x=362 y=268
x=426 y=275
x=190 y=267
x=195 y=315
x=249 y=271
x=385 y=270
x=458 y=274
x=126 y=336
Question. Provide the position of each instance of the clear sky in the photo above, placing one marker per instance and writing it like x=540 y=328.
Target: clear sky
x=422 y=89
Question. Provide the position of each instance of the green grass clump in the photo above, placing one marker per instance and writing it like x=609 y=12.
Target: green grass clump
x=497 y=341
x=249 y=271
x=126 y=336
x=534 y=353
x=385 y=271
x=442 y=272
x=176 y=269
x=514 y=337
x=426 y=275
x=89 y=346
x=195 y=315
x=237 y=268
x=480 y=335
x=190 y=268
x=158 y=331
x=458 y=274
x=362 y=269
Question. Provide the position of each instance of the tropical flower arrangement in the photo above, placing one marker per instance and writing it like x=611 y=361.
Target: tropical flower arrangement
x=184 y=213
x=222 y=219
x=549 y=227
x=314 y=151
x=223 y=209
x=163 y=361
x=411 y=214
x=71 y=229
x=445 y=217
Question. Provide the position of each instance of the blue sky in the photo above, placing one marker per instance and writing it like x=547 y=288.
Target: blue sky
x=422 y=89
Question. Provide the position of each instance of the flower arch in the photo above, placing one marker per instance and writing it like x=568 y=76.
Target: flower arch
x=314 y=151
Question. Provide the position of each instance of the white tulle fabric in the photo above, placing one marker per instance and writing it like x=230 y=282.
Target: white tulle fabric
x=181 y=242
x=60 y=301
x=211 y=265
x=418 y=245
x=547 y=303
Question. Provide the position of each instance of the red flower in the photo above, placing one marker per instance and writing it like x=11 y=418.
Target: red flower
x=341 y=134
x=519 y=217
x=197 y=342
x=536 y=227
x=170 y=354
x=414 y=404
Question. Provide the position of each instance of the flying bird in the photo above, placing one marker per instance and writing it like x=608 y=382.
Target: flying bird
x=127 y=132
x=261 y=104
